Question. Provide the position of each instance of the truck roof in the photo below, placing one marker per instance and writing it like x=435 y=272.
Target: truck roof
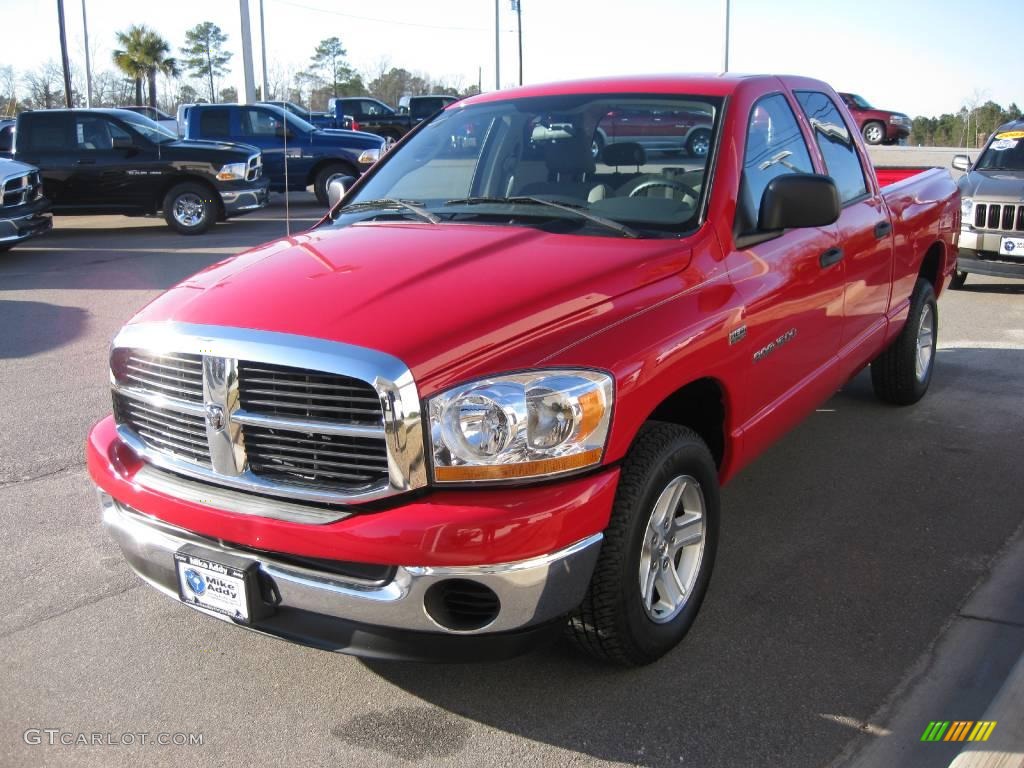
x=709 y=84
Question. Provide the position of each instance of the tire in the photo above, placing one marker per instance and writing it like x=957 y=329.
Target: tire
x=958 y=281
x=699 y=143
x=614 y=622
x=597 y=147
x=190 y=208
x=874 y=132
x=902 y=373
x=324 y=176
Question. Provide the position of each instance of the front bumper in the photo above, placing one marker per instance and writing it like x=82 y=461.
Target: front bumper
x=249 y=196
x=386 y=618
x=21 y=224
x=979 y=255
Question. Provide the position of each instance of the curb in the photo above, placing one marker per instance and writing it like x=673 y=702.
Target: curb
x=1005 y=749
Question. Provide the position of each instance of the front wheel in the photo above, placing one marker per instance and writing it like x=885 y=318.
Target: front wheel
x=699 y=143
x=658 y=550
x=190 y=209
x=902 y=373
x=325 y=176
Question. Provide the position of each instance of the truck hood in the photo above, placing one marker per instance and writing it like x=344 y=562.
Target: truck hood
x=14 y=168
x=338 y=137
x=193 y=146
x=435 y=296
x=997 y=186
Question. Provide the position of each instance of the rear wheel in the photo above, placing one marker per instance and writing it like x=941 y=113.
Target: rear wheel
x=325 y=176
x=699 y=143
x=658 y=550
x=190 y=208
x=874 y=133
x=902 y=373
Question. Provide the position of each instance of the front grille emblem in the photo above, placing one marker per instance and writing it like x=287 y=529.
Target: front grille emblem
x=214 y=417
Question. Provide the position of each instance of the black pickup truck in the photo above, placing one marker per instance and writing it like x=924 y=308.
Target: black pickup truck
x=96 y=161
x=375 y=116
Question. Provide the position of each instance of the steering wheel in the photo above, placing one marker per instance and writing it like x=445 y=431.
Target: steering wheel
x=686 y=189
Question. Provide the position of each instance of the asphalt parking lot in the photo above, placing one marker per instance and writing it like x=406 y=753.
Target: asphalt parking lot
x=846 y=553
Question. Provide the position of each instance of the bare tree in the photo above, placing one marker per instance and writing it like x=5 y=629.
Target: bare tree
x=45 y=86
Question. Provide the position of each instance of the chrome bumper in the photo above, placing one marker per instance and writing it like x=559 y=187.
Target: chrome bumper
x=238 y=201
x=984 y=241
x=531 y=592
x=14 y=230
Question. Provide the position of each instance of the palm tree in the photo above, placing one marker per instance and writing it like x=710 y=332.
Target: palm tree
x=143 y=54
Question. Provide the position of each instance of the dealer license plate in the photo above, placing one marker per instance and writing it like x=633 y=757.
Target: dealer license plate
x=1012 y=246
x=207 y=584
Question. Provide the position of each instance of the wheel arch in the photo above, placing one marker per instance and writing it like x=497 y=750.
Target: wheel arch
x=931 y=265
x=170 y=184
x=700 y=405
x=326 y=161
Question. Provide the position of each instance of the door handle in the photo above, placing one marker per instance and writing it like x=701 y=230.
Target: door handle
x=830 y=257
x=85 y=162
x=882 y=229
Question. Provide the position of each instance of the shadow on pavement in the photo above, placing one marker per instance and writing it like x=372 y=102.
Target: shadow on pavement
x=844 y=552
x=30 y=327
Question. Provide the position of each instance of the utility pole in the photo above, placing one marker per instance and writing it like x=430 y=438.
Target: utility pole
x=497 y=49
x=64 y=54
x=725 y=52
x=250 y=86
x=263 y=47
x=517 y=5
x=88 y=67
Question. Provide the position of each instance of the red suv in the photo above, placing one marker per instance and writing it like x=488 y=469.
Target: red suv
x=879 y=126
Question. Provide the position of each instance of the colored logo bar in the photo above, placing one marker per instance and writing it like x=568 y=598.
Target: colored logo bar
x=958 y=730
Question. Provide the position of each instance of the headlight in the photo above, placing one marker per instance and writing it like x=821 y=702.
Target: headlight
x=521 y=425
x=232 y=172
x=903 y=119
x=369 y=156
x=966 y=211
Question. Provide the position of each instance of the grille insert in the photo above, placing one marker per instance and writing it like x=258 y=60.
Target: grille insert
x=297 y=393
x=314 y=458
x=1004 y=217
x=164 y=429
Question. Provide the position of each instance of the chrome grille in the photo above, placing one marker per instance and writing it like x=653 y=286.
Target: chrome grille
x=179 y=375
x=18 y=190
x=1005 y=217
x=254 y=168
x=279 y=390
x=164 y=429
x=315 y=458
x=223 y=407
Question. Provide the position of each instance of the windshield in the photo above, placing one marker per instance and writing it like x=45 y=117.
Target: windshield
x=614 y=165
x=1005 y=153
x=148 y=128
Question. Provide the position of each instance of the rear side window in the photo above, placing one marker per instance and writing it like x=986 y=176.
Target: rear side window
x=836 y=144
x=775 y=146
x=47 y=132
x=215 y=123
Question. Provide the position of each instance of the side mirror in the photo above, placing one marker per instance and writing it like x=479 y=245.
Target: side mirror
x=121 y=143
x=336 y=189
x=798 y=200
x=961 y=162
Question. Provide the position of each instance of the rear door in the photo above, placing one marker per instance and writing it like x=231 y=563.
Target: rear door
x=864 y=229
x=792 y=285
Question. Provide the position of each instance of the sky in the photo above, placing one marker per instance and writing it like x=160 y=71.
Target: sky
x=904 y=55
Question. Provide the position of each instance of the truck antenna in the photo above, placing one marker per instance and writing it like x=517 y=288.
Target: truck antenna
x=287 y=206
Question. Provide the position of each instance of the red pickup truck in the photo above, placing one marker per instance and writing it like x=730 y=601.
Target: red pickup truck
x=491 y=397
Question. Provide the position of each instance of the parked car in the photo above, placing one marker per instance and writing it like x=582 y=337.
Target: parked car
x=878 y=126
x=317 y=119
x=314 y=156
x=157 y=116
x=96 y=161
x=656 y=130
x=491 y=398
x=379 y=118
x=992 y=200
x=23 y=209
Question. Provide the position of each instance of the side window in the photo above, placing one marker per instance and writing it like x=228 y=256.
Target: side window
x=774 y=148
x=371 y=108
x=215 y=123
x=256 y=122
x=835 y=143
x=48 y=132
x=93 y=132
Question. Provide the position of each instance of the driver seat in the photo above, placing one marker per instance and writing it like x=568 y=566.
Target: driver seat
x=571 y=168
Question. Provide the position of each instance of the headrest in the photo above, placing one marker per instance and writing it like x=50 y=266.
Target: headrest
x=569 y=157
x=624 y=153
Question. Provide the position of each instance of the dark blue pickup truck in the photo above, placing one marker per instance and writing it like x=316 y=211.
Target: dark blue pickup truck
x=314 y=156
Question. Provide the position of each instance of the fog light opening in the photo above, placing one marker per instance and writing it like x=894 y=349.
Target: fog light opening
x=461 y=605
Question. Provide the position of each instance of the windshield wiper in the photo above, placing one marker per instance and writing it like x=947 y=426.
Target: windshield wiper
x=574 y=208
x=392 y=202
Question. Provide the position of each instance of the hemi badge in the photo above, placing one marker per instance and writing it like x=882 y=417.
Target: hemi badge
x=737 y=335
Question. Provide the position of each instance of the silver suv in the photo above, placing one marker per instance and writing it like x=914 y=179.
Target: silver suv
x=992 y=208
